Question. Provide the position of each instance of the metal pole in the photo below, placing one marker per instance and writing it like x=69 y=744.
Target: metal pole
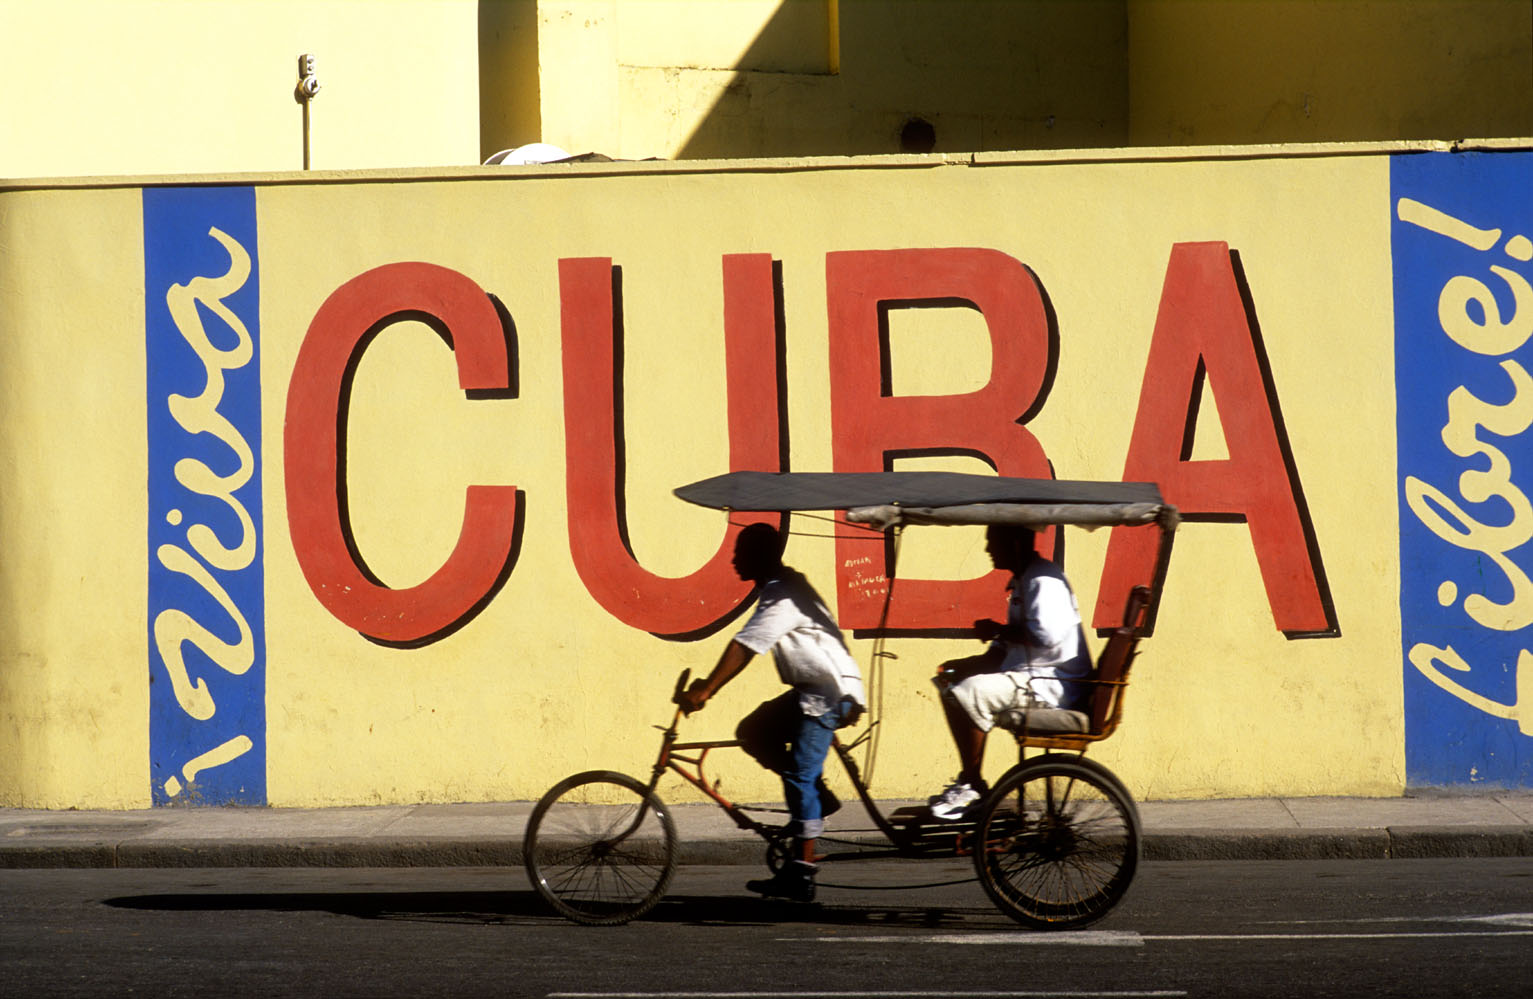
x=308 y=86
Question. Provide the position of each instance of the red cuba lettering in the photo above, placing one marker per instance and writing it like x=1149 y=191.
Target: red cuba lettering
x=1206 y=328
x=592 y=323
x=314 y=454
x=871 y=427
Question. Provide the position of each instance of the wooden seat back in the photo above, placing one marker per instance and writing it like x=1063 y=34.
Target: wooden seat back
x=1108 y=681
x=1111 y=676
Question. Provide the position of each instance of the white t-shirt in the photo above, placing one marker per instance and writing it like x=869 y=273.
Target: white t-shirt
x=811 y=655
x=1041 y=600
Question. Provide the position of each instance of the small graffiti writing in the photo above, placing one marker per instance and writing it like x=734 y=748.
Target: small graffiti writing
x=859 y=577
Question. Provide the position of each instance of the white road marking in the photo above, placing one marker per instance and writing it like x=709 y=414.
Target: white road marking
x=1524 y=919
x=1519 y=919
x=1237 y=937
x=1120 y=938
x=945 y=994
x=1085 y=938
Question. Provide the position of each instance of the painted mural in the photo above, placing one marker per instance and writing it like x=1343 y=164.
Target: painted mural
x=1463 y=318
x=410 y=533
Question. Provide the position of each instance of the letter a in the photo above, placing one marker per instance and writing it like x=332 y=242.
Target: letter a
x=1203 y=326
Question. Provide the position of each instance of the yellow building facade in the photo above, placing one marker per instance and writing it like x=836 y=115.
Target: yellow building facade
x=108 y=87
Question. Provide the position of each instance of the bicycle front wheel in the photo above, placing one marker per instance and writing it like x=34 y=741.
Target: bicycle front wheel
x=600 y=849
x=1057 y=844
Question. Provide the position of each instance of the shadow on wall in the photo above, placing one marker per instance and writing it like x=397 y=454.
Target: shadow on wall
x=914 y=76
x=668 y=78
x=974 y=75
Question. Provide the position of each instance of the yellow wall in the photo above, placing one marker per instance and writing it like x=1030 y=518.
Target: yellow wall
x=181 y=86
x=1213 y=71
x=73 y=694
x=640 y=80
x=185 y=86
x=545 y=682
x=677 y=80
x=510 y=112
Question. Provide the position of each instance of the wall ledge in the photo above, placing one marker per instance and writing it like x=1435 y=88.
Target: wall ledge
x=543 y=171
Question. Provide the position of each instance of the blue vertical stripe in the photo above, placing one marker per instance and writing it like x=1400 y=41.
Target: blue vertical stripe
x=1461 y=225
x=207 y=643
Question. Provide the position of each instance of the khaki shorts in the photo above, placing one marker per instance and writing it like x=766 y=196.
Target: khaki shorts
x=985 y=695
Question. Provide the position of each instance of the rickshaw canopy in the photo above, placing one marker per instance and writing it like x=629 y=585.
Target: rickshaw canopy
x=889 y=499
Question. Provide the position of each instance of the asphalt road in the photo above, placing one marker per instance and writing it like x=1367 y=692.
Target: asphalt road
x=1331 y=928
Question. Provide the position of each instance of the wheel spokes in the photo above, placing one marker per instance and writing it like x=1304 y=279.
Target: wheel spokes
x=1058 y=846
x=597 y=862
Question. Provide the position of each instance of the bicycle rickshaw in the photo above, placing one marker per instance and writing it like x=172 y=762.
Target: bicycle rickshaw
x=1056 y=842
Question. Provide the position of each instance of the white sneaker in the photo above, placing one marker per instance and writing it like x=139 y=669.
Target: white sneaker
x=951 y=788
x=959 y=797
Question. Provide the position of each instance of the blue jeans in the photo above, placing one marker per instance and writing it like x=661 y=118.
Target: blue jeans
x=793 y=745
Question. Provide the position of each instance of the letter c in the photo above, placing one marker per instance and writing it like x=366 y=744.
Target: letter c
x=313 y=439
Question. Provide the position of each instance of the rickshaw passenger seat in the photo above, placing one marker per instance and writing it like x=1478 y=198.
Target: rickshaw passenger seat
x=1062 y=728
x=1051 y=721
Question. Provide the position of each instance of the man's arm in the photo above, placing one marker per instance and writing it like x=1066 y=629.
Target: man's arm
x=733 y=659
x=988 y=630
x=1048 y=617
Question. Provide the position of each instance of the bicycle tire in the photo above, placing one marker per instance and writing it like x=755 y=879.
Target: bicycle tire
x=600 y=848
x=1056 y=843
x=1102 y=774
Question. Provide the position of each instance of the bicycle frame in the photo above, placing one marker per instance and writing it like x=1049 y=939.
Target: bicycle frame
x=670 y=759
x=692 y=769
x=590 y=880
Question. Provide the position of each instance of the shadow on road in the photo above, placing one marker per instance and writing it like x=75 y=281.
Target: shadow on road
x=455 y=906
x=524 y=907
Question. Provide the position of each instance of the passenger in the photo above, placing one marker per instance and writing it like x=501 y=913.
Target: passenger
x=790 y=734
x=1032 y=661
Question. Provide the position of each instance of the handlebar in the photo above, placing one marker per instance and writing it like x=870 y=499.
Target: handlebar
x=681 y=684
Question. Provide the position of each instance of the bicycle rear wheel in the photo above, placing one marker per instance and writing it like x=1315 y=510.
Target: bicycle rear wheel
x=600 y=849
x=1057 y=843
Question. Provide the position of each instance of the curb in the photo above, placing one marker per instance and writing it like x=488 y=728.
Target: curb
x=1396 y=843
x=1271 y=844
x=1426 y=842
x=276 y=853
x=1390 y=843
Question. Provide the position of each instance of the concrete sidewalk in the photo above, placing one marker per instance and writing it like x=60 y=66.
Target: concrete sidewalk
x=490 y=834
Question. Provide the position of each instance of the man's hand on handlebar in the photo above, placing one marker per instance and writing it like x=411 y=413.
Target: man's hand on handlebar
x=731 y=662
x=693 y=698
